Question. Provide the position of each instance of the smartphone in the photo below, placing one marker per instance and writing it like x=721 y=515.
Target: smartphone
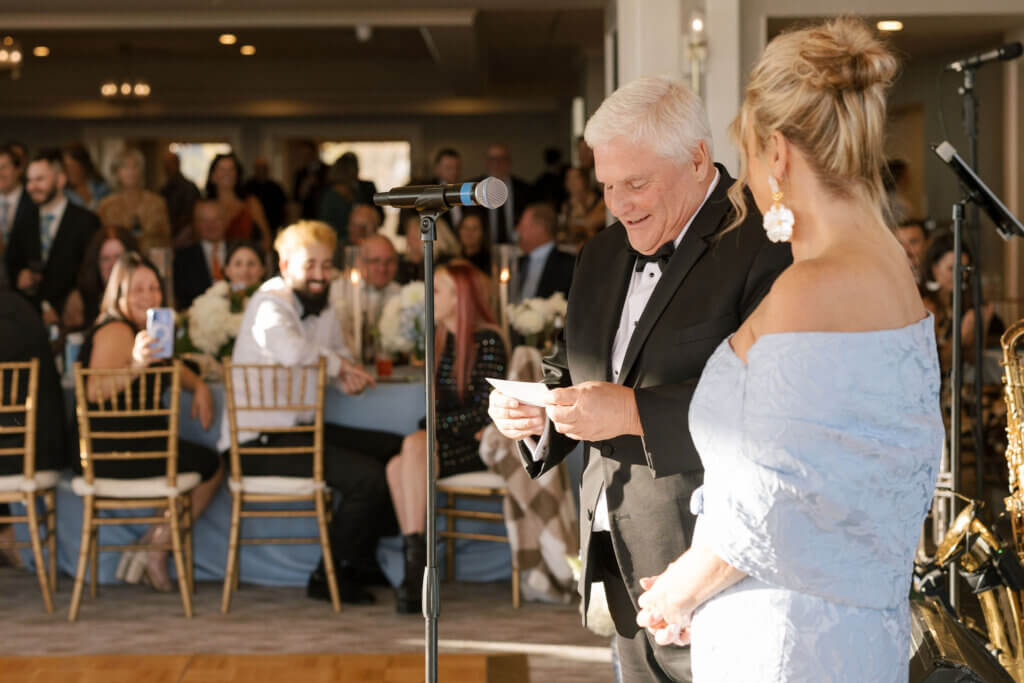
x=160 y=325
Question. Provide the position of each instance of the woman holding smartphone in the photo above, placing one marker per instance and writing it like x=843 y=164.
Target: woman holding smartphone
x=120 y=340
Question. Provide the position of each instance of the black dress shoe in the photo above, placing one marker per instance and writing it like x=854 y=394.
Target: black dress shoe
x=349 y=591
x=366 y=576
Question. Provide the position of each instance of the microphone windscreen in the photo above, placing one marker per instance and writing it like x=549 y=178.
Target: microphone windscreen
x=490 y=193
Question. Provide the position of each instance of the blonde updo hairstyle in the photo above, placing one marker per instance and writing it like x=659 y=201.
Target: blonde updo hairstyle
x=824 y=89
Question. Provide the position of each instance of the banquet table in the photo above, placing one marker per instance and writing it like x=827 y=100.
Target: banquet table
x=396 y=406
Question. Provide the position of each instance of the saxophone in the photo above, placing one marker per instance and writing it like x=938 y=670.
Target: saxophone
x=1013 y=379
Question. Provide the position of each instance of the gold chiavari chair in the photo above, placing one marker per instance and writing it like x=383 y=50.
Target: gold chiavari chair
x=253 y=390
x=158 y=500
x=483 y=485
x=19 y=390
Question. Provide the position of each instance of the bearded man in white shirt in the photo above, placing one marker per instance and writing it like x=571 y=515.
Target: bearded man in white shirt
x=288 y=321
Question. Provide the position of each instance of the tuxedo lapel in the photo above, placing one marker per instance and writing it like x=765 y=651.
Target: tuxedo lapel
x=601 y=308
x=693 y=245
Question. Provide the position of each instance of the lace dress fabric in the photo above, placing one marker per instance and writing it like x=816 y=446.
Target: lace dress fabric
x=459 y=421
x=820 y=456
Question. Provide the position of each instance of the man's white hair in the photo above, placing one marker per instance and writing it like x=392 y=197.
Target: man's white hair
x=656 y=111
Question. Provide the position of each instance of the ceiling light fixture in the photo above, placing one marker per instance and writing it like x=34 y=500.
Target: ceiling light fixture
x=890 y=25
x=41 y=51
x=11 y=57
x=228 y=39
x=248 y=50
x=364 y=32
x=126 y=90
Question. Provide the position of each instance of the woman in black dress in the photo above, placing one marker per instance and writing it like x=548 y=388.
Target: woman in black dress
x=469 y=349
x=119 y=340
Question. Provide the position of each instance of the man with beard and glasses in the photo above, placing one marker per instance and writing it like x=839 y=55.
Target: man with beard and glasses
x=288 y=321
x=47 y=245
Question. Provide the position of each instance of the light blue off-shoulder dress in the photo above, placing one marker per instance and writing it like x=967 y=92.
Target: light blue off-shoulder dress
x=820 y=456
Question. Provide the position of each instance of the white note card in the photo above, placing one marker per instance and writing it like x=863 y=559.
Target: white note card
x=530 y=393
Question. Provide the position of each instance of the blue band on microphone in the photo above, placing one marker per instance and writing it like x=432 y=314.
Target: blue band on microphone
x=466 y=194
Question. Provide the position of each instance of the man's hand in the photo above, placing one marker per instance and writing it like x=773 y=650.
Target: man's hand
x=594 y=411
x=513 y=419
x=354 y=378
x=28 y=279
x=50 y=316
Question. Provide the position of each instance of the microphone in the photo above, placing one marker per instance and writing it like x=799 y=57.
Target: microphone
x=1006 y=223
x=489 y=193
x=1004 y=53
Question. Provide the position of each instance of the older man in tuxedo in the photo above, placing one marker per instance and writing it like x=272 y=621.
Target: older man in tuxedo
x=653 y=295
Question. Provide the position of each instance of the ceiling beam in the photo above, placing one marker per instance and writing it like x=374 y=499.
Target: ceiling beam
x=234 y=19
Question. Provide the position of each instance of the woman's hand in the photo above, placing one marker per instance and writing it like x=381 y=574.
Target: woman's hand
x=665 y=606
x=145 y=346
x=354 y=378
x=202 y=404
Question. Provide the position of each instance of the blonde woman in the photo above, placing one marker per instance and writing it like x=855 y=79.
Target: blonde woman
x=133 y=207
x=818 y=421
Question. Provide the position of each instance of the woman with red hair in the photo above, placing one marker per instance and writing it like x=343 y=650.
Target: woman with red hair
x=469 y=348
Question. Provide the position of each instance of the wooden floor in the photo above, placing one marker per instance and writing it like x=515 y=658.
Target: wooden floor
x=162 y=645
x=400 y=668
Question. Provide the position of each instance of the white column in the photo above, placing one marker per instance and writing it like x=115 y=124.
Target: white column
x=650 y=37
x=723 y=81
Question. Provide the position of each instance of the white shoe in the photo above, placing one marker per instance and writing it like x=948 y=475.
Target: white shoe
x=124 y=563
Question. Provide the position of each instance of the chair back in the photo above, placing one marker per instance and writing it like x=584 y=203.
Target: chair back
x=132 y=398
x=253 y=390
x=19 y=386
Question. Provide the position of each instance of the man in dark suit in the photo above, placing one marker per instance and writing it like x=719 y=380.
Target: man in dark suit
x=47 y=244
x=653 y=296
x=501 y=221
x=543 y=268
x=199 y=265
x=15 y=204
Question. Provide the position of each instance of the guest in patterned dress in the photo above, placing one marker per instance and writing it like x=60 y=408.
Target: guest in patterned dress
x=469 y=348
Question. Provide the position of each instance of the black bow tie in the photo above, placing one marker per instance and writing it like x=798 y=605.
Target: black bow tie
x=661 y=257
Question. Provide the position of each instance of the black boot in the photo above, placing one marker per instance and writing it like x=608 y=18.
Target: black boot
x=408 y=596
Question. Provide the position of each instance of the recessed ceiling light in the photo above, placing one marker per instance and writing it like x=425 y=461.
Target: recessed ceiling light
x=248 y=50
x=228 y=39
x=41 y=51
x=890 y=25
x=108 y=89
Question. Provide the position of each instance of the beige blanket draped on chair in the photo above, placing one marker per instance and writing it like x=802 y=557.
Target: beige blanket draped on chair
x=540 y=514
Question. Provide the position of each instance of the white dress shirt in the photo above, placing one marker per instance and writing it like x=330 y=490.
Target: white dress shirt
x=208 y=253
x=536 y=259
x=273 y=331
x=57 y=213
x=641 y=286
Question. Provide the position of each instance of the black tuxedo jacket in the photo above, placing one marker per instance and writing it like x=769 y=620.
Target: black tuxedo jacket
x=60 y=272
x=191 y=275
x=557 y=273
x=711 y=284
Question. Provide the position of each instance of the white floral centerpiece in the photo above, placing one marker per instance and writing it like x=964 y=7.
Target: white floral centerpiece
x=402 y=321
x=538 y=320
x=210 y=326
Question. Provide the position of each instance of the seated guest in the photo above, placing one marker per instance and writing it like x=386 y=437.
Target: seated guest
x=378 y=262
x=244 y=266
x=938 y=298
x=410 y=266
x=363 y=221
x=914 y=238
x=543 y=268
x=85 y=186
x=470 y=349
x=133 y=207
x=288 y=322
x=473 y=239
x=120 y=340
x=22 y=338
x=83 y=304
x=199 y=265
x=47 y=245
x=244 y=215
x=583 y=212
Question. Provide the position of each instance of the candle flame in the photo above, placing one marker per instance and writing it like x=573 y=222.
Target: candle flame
x=505 y=275
x=354 y=276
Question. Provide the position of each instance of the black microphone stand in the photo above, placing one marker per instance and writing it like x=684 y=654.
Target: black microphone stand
x=956 y=384
x=970 y=119
x=431 y=597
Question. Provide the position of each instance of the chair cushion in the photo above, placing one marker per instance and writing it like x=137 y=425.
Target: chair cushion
x=46 y=479
x=150 y=487
x=278 y=486
x=484 y=479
